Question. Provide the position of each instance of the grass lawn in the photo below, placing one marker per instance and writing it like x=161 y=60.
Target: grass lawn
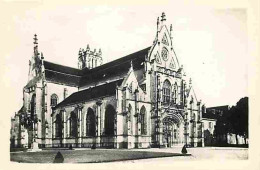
x=87 y=156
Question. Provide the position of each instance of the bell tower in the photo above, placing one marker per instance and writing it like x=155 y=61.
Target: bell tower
x=89 y=58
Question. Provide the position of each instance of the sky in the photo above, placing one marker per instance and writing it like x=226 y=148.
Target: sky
x=210 y=42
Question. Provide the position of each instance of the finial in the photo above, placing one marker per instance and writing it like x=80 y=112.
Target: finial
x=35 y=39
x=131 y=64
x=190 y=81
x=163 y=17
x=171 y=27
x=87 y=47
x=99 y=51
x=94 y=50
x=157 y=21
x=80 y=52
x=42 y=56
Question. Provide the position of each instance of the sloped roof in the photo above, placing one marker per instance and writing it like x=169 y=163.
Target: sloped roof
x=32 y=82
x=108 y=89
x=60 y=68
x=116 y=68
x=209 y=115
x=75 y=77
x=62 y=74
x=223 y=108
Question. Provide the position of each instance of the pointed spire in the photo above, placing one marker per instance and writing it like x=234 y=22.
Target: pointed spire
x=35 y=42
x=158 y=22
x=190 y=81
x=35 y=39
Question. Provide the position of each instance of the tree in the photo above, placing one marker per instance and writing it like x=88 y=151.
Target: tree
x=239 y=118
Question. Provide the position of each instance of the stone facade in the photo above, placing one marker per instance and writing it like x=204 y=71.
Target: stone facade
x=138 y=101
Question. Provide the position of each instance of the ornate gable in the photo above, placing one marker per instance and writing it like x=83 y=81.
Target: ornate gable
x=162 y=50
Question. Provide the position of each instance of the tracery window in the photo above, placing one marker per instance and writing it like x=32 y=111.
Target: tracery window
x=130 y=119
x=166 y=92
x=90 y=123
x=58 y=126
x=54 y=100
x=73 y=125
x=109 y=120
x=143 y=120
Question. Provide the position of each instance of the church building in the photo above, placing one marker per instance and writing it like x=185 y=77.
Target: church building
x=141 y=100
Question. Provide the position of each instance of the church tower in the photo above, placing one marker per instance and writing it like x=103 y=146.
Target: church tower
x=35 y=64
x=88 y=58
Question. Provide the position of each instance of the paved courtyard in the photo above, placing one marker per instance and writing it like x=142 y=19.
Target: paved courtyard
x=133 y=155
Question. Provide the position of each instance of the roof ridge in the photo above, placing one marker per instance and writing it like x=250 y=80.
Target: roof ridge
x=118 y=59
x=61 y=65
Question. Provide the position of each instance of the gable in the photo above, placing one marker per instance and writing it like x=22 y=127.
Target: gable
x=162 y=51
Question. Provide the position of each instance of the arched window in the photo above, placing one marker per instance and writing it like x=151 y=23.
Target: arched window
x=90 y=123
x=143 y=120
x=73 y=125
x=58 y=126
x=109 y=120
x=54 y=100
x=33 y=106
x=130 y=119
x=166 y=91
x=175 y=93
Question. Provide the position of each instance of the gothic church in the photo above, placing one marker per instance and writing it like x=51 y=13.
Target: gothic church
x=141 y=100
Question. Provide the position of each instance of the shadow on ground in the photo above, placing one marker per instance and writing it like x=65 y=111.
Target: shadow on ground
x=88 y=156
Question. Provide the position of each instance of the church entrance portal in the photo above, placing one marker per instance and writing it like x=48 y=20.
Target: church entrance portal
x=171 y=131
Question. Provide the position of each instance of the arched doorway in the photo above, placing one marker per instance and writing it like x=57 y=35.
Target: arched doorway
x=110 y=120
x=90 y=123
x=172 y=131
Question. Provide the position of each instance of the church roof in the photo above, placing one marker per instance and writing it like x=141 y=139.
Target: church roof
x=108 y=89
x=60 y=68
x=117 y=68
x=62 y=74
x=88 y=77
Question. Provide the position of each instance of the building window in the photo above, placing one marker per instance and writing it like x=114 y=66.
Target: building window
x=65 y=93
x=130 y=119
x=58 y=126
x=143 y=121
x=166 y=91
x=210 y=125
x=90 y=123
x=54 y=100
x=33 y=106
x=73 y=125
x=109 y=120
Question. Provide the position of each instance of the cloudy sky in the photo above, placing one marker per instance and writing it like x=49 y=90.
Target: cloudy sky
x=210 y=42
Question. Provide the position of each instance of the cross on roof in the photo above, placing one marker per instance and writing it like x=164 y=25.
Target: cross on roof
x=163 y=17
x=35 y=39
